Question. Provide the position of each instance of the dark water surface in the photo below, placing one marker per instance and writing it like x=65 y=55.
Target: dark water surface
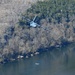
x=55 y=62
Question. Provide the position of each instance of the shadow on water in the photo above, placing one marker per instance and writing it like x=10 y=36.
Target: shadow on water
x=58 y=61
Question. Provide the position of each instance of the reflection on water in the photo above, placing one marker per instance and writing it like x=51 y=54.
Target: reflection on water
x=55 y=62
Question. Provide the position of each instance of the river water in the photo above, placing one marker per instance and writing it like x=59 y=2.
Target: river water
x=58 y=61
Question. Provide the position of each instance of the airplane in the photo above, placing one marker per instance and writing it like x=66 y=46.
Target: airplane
x=33 y=23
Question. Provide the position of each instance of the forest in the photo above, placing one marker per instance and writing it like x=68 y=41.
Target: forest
x=57 y=27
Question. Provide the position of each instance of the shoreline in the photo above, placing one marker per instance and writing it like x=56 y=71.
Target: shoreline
x=31 y=54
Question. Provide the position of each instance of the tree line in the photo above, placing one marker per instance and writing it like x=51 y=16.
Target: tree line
x=54 y=11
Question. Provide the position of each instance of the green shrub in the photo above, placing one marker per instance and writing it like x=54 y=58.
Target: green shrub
x=51 y=10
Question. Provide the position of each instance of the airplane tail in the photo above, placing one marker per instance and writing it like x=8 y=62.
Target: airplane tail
x=34 y=18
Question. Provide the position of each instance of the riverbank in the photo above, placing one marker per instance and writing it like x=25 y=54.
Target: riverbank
x=59 y=61
x=18 y=56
